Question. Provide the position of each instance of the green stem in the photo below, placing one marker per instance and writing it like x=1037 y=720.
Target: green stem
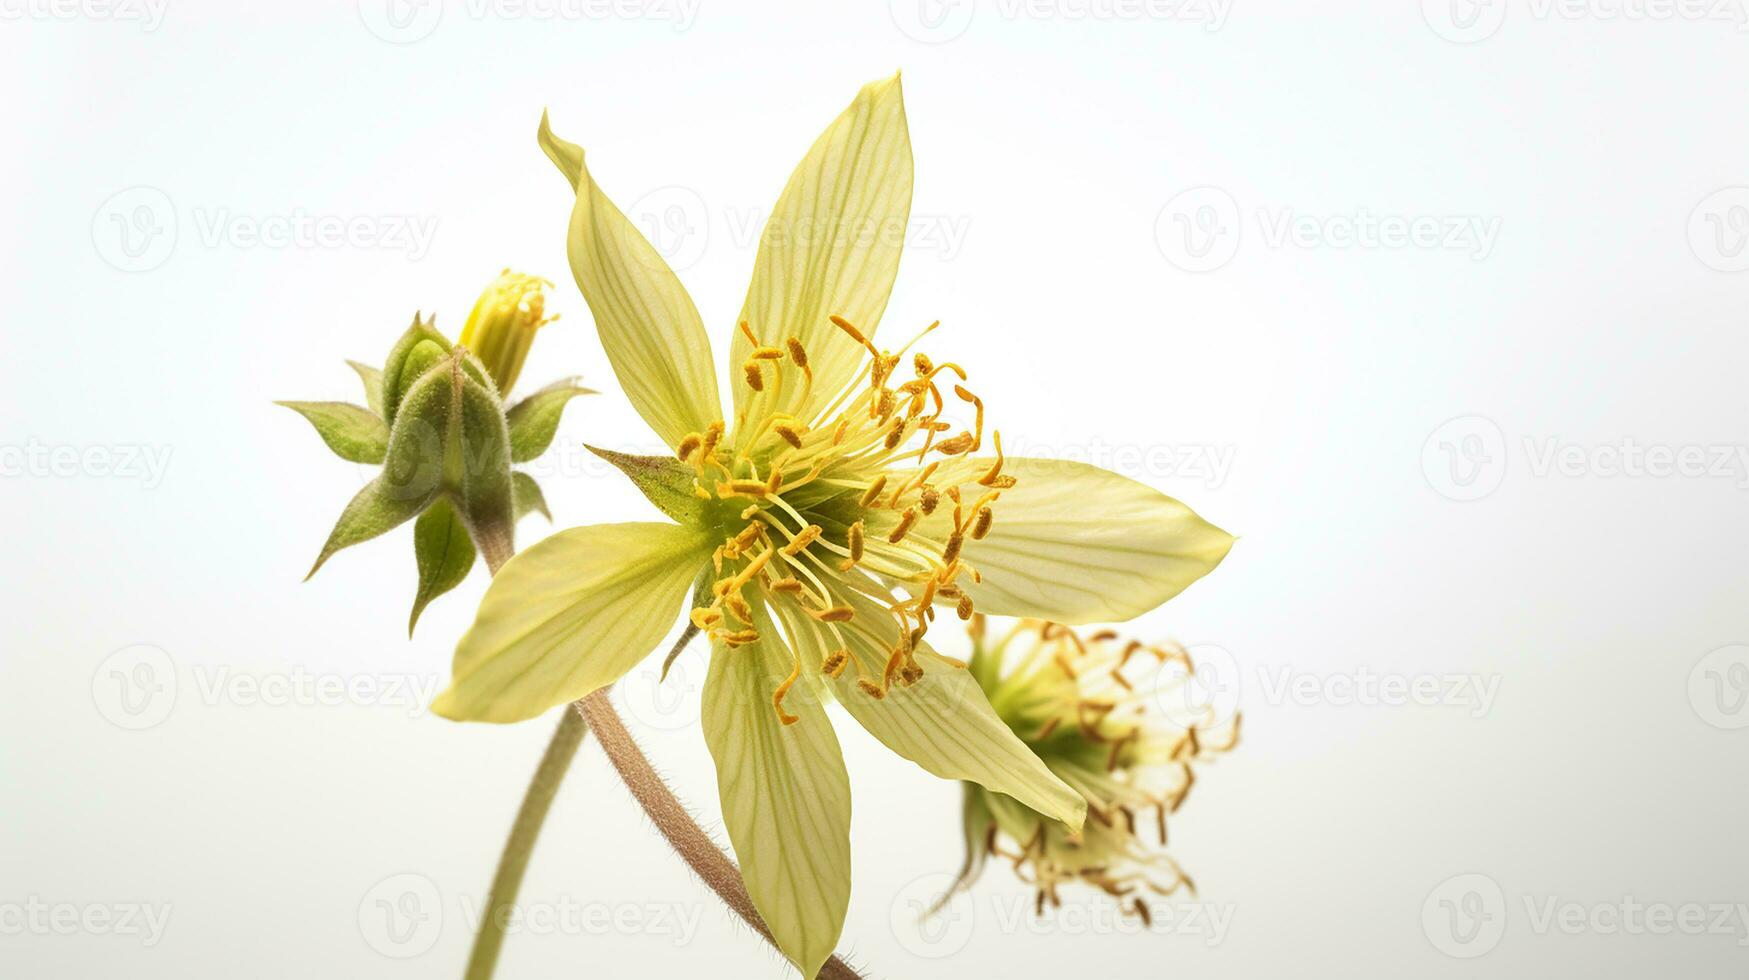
x=514 y=861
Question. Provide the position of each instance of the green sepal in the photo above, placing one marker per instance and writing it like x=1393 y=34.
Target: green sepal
x=444 y=552
x=375 y=510
x=529 y=498
x=665 y=481
x=373 y=386
x=352 y=432
x=398 y=375
x=482 y=487
x=535 y=419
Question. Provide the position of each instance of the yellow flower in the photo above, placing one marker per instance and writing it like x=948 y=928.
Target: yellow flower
x=822 y=524
x=502 y=324
x=1086 y=707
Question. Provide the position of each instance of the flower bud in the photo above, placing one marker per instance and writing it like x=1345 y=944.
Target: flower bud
x=503 y=323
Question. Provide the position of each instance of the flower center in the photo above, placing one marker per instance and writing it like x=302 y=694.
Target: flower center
x=831 y=512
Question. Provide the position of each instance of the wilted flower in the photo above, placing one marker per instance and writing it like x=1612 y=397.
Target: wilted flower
x=436 y=423
x=836 y=481
x=1094 y=709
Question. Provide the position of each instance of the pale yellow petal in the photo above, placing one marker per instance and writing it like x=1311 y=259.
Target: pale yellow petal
x=785 y=795
x=1077 y=544
x=569 y=616
x=831 y=247
x=648 y=325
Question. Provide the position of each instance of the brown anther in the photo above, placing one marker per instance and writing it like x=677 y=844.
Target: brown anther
x=981 y=523
x=713 y=434
x=884 y=406
x=790 y=584
x=766 y=354
x=871 y=689
x=929 y=499
x=958 y=444
x=739 y=637
x=873 y=491
x=797 y=353
x=833 y=666
x=921 y=361
x=833 y=614
x=688 y=446
x=737 y=608
x=774 y=482
x=906 y=520
x=748 y=535
x=952 y=551
x=964 y=608
x=855 y=542
x=789 y=433
x=755 y=380
x=896 y=436
x=910 y=674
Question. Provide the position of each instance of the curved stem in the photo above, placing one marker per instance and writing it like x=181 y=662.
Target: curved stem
x=694 y=846
x=514 y=861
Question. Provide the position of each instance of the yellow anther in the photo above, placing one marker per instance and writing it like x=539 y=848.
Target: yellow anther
x=790 y=585
x=873 y=491
x=929 y=499
x=906 y=520
x=855 y=335
x=738 y=637
x=807 y=536
x=871 y=689
x=688 y=446
x=713 y=435
x=961 y=443
x=981 y=523
x=833 y=666
x=782 y=689
x=774 y=482
x=797 y=352
x=748 y=535
x=751 y=510
x=952 y=552
x=748 y=332
x=855 y=542
x=742 y=488
x=766 y=354
x=704 y=618
x=921 y=360
x=833 y=614
x=964 y=608
x=737 y=608
x=755 y=380
x=897 y=435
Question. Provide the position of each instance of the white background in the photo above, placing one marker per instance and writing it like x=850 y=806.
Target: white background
x=1053 y=145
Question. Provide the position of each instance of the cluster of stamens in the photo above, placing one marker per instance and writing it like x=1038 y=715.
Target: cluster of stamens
x=825 y=509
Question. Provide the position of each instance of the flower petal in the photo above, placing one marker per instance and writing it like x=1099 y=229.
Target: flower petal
x=832 y=247
x=785 y=795
x=647 y=322
x=943 y=722
x=1076 y=544
x=569 y=616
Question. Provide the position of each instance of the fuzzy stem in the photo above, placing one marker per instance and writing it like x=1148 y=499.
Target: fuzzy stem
x=514 y=861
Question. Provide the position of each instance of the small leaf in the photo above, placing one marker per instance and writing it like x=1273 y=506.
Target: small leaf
x=352 y=432
x=378 y=508
x=444 y=553
x=529 y=497
x=534 y=419
x=373 y=386
x=398 y=374
x=666 y=481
